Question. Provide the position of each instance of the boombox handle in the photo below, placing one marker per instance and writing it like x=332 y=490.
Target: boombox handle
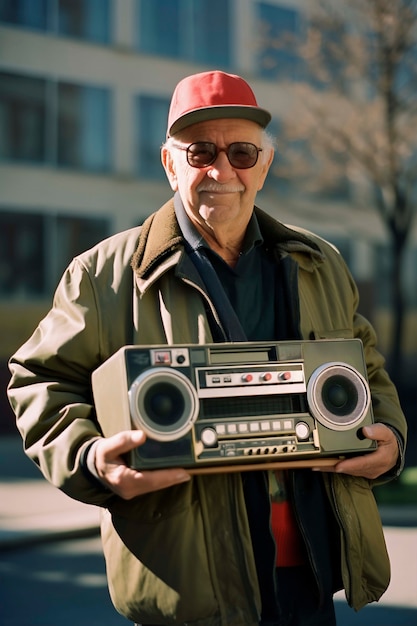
x=302 y=463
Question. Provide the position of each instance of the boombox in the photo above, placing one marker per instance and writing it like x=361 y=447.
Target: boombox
x=225 y=404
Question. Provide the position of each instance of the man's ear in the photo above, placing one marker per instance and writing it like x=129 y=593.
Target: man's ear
x=169 y=167
x=265 y=169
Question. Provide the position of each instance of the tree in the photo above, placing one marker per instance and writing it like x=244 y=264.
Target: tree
x=356 y=116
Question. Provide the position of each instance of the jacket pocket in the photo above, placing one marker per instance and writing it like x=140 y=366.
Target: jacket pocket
x=365 y=561
x=148 y=549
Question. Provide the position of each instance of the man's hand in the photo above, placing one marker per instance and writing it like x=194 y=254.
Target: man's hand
x=124 y=481
x=376 y=463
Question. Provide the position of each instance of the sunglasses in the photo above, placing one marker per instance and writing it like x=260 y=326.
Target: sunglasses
x=241 y=155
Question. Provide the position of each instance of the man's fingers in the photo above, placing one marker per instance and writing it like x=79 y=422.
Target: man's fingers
x=124 y=442
x=127 y=482
x=378 y=432
x=376 y=463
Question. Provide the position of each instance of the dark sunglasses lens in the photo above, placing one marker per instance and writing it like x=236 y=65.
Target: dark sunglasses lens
x=201 y=154
x=242 y=155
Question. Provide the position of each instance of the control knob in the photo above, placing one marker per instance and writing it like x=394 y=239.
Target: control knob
x=302 y=430
x=209 y=437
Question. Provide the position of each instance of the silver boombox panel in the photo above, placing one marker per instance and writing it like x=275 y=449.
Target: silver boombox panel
x=237 y=404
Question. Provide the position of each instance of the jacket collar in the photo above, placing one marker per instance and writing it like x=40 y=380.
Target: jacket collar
x=161 y=237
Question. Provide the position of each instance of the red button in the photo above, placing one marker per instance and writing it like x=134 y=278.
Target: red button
x=267 y=376
x=285 y=376
x=247 y=378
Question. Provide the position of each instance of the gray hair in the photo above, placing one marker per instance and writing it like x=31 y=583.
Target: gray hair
x=267 y=144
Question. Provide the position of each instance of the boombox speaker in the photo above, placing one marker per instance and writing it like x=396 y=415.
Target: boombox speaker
x=237 y=405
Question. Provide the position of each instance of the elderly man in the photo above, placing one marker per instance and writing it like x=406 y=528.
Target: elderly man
x=231 y=549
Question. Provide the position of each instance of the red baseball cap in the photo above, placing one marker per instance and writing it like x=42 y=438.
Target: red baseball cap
x=210 y=96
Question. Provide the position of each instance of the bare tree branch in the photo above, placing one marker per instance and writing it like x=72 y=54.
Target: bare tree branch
x=356 y=111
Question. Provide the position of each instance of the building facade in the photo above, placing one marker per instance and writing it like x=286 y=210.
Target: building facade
x=84 y=93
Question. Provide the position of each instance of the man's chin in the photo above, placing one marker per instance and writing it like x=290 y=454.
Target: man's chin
x=213 y=197
x=216 y=211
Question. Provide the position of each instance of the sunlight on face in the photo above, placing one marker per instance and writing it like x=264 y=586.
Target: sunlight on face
x=218 y=197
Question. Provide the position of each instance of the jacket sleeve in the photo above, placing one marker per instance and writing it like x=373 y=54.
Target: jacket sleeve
x=385 y=400
x=50 y=389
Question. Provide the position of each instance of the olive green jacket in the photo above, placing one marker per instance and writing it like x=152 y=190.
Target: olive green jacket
x=183 y=554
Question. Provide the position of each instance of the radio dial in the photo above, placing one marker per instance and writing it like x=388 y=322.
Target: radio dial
x=302 y=430
x=209 y=437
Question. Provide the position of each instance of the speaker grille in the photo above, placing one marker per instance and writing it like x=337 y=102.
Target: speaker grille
x=338 y=395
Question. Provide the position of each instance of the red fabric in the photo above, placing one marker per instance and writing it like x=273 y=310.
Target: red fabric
x=212 y=95
x=290 y=546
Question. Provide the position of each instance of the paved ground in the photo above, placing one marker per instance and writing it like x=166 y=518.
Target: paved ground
x=32 y=511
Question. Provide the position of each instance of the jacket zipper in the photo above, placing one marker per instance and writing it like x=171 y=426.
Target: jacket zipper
x=343 y=529
x=274 y=542
x=241 y=555
x=310 y=551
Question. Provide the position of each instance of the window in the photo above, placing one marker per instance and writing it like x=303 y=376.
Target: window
x=22 y=118
x=152 y=114
x=31 y=13
x=83 y=19
x=21 y=254
x=159 y=27
x=210 y=32
x=278 y=30
x=83 y=115
x=73 y=235
x=383 y=261
x=298 y=168
x=35 y=249
x=197 y=31
x=59 y=123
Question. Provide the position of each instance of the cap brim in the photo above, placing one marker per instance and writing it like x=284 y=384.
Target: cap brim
x=254 y=114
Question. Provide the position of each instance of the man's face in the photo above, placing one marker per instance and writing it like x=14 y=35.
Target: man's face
x=218 y=197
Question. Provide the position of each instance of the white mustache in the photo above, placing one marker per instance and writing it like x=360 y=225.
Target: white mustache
x=214 y=187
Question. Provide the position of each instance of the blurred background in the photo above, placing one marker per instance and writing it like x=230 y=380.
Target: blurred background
x=85 y=87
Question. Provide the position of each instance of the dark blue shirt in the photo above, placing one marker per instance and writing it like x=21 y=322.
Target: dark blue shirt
x=250 y=285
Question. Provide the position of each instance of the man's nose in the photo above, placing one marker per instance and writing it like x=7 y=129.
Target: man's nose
x=221 y=169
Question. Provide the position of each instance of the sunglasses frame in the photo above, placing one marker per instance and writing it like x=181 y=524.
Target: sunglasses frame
x=217 y=152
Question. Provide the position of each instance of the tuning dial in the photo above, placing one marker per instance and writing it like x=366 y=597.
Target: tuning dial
x=302 y=430
x=209 y=437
